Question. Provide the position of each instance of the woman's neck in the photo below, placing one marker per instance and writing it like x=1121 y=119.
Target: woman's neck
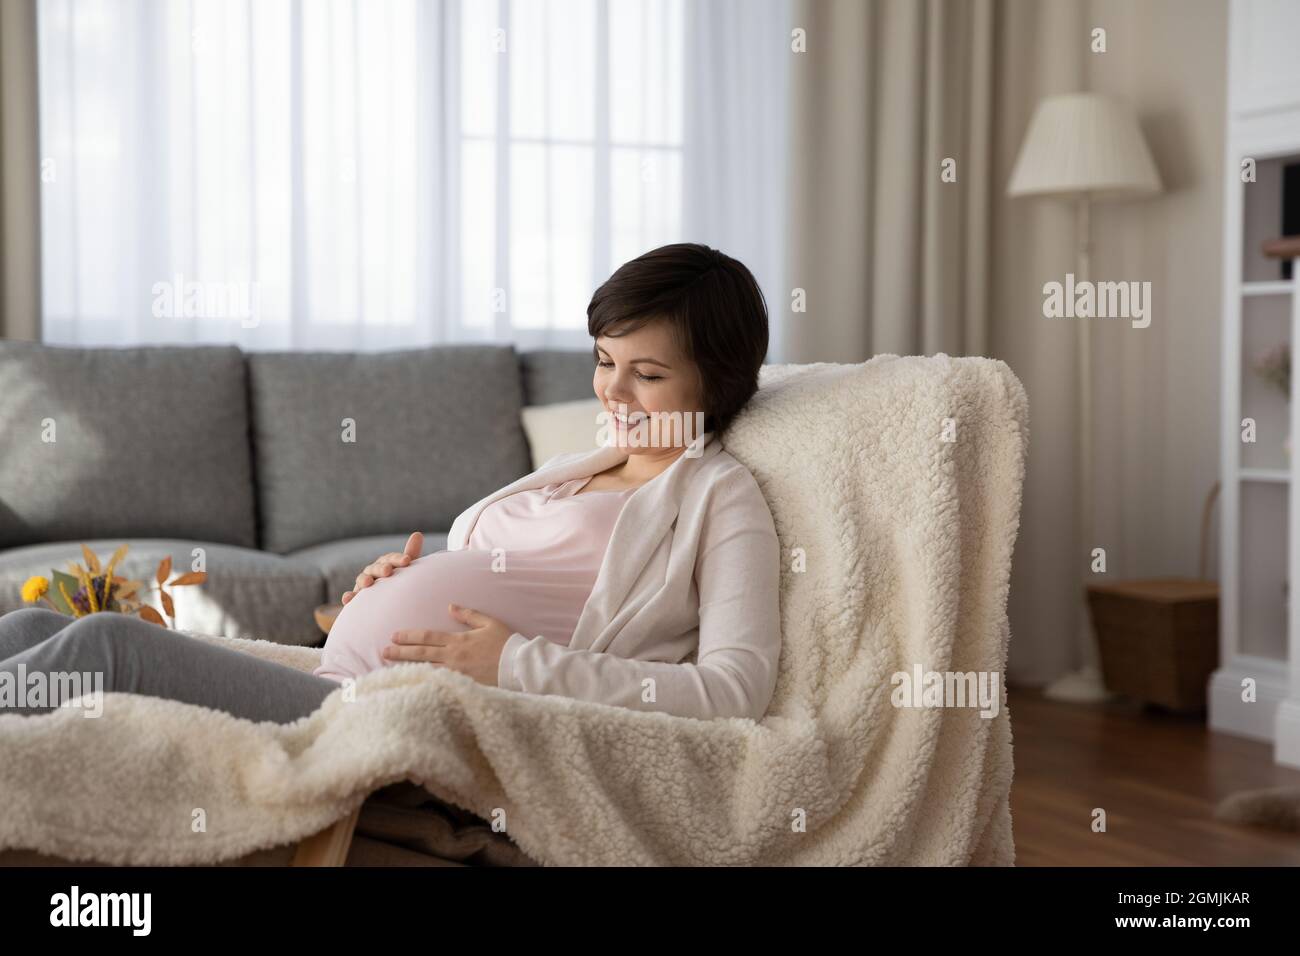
x=638 y=469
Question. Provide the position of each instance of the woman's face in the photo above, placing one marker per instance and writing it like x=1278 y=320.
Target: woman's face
x=643 y=374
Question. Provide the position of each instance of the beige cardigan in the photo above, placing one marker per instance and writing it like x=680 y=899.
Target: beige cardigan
x=684 y=615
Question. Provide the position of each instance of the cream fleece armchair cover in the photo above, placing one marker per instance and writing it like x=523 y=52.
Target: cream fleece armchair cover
x=895 y=485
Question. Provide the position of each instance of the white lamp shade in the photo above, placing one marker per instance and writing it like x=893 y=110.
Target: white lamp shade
x=1084 y=143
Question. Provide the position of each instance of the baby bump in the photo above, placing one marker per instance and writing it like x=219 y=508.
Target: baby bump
x=524 y=591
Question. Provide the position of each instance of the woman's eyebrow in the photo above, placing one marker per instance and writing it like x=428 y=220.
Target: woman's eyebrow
x=647 y=360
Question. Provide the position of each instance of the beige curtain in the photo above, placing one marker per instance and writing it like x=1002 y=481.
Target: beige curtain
x=889 y=255
x=1041 y=49
x=20 y=181
x=893 y=260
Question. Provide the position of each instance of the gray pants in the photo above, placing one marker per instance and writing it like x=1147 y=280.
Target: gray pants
x=142 y=658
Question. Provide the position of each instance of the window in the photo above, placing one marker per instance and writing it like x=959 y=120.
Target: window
x=363 y=173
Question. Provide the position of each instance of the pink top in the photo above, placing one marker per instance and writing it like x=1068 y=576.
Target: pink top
x=531 y=562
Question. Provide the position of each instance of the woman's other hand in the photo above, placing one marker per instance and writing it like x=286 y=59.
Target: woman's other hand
x=475 y=653
x=384 y=565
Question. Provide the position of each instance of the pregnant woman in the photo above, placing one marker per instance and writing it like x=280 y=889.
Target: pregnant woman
x=642 y=574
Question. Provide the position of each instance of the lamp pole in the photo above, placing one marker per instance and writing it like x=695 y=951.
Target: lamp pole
x=1085 y=684
x=1083 y=146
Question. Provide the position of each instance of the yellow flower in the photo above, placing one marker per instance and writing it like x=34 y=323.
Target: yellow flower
x=34 y=589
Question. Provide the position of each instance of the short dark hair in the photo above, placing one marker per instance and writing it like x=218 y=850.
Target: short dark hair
x=716 y=309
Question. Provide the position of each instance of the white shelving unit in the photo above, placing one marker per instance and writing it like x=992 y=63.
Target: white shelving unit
x=1259 y=627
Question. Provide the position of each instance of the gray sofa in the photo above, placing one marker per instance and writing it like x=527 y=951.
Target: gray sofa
x=283 y=472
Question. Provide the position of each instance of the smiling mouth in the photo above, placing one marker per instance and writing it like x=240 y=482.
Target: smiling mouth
x=624 y=421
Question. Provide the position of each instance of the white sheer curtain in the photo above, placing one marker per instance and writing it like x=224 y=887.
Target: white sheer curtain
x=359 y=174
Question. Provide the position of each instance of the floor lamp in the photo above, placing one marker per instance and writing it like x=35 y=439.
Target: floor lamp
x=1083 y=147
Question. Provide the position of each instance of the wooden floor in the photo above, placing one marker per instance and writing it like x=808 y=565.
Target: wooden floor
x=1158 y=776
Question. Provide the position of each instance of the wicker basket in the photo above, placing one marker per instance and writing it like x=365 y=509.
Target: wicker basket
x=1159 y=639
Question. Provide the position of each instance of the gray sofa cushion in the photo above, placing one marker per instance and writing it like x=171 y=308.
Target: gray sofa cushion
x=556 y=375
x=149 y=441
x=435 y=430
x=249 y=594
x=341 y=561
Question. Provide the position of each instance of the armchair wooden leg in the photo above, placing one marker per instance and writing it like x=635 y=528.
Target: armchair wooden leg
x=330 y=846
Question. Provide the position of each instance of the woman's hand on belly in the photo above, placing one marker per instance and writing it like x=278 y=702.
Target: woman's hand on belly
x=475 y=653
x=385 y=564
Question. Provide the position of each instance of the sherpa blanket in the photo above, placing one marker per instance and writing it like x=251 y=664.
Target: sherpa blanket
x=895 y=486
